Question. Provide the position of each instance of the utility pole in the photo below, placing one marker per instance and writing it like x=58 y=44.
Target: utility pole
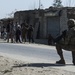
x=39 y=3
x=69 y=3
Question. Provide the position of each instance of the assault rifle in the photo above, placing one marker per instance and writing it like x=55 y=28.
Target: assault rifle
x=60 y=37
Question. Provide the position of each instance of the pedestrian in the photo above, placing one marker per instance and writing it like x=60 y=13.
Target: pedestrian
x=67 y=42
x=11 y=31
x=24 y=29
x=18 y=34
x=50 y=39
x=4 y=34
x=30 y=33
x=8 y=31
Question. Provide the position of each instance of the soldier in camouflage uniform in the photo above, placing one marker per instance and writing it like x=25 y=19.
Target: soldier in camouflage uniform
x=67 y=42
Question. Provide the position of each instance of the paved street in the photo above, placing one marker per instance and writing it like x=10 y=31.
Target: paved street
x=36 y=53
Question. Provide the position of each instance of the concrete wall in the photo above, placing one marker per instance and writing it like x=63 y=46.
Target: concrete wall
x=63 y=20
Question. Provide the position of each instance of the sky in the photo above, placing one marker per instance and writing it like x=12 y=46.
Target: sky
x=10 y=6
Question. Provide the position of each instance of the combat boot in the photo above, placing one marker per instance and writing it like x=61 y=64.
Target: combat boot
x=60 y=62
x=73 y=62
x=73 y=57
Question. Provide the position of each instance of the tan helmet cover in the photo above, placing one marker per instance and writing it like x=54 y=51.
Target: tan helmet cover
x=71 y=23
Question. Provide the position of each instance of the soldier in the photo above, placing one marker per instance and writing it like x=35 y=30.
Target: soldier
x=67 y=42
x=8 y=31
x=30 y=34
x=11 y=31
x=24 y=31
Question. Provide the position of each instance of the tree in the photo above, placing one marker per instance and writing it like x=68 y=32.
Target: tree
x=57 y=3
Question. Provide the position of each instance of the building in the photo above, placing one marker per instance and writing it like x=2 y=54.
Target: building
x=46 y=21
x=55 y=21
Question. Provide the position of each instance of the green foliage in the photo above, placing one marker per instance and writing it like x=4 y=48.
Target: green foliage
x=57 y=3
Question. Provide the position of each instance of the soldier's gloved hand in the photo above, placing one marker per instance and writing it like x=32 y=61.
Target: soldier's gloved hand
x=64 y=32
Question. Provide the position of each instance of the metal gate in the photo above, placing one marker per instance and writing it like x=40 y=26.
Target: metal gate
x=53 y=26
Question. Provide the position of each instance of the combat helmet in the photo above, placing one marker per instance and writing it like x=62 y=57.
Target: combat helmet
x=71 y=23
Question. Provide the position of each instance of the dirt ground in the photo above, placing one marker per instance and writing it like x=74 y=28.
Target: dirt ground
x=9 y=66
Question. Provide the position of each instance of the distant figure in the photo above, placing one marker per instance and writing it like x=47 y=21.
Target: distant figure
x=24 y=31
x=11 y=31
x=50 y=39
x=30 y=33
x=67 y=42
x=8 y=31
x=18 y=34
x=2 y=31
x=4 y=34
